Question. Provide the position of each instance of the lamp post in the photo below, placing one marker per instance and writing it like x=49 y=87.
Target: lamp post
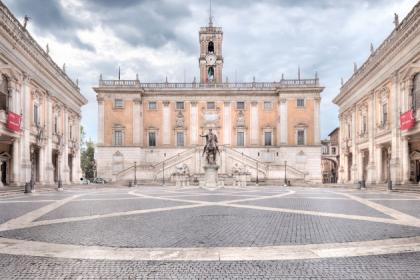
x=285 y=177
x=257 y=181
x=163 y=172
x=135 y=173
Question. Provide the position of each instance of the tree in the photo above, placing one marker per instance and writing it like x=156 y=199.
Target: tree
x=87 y=150
x=88 y=160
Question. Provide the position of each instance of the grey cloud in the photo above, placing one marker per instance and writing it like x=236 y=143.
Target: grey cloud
x=149 y=22
x=49 y=17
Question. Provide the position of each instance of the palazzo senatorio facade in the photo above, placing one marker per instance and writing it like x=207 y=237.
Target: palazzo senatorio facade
x=39 y=111
x=259 y=125
x=379 y=104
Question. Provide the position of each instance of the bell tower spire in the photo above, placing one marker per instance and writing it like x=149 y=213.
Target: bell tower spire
x=210 y=59
x=210 y=17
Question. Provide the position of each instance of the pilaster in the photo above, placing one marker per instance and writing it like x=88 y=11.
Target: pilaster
x=193 y=122
x=101 y=120
x=282 y=132
x=254 y=119
x=317 y=102
x=166 y=123
x=137 y=119
x=227 y=123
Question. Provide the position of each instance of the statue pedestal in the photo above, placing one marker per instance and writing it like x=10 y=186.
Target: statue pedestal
x=210 y=176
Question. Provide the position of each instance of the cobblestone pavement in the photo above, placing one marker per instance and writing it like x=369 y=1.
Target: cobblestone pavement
x=169 y=233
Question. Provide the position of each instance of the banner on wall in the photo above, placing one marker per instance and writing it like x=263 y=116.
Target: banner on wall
x=13 y=121
x=407 y=120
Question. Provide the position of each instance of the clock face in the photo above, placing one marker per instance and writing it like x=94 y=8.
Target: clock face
x=211 y=59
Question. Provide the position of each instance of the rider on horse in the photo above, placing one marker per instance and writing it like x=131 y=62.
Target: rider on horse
x=211 y=142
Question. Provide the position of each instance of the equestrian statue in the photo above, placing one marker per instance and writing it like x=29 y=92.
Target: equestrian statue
x=211 y=148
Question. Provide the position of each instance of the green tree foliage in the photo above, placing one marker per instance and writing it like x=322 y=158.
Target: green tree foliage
x=88 y=161
x=87 y=150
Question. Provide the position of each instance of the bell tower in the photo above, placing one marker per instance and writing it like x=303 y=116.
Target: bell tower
x=211 y=59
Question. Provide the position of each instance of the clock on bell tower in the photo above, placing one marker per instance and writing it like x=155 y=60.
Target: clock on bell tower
x=211 y=59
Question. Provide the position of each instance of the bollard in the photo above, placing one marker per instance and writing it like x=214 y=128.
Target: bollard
x=389 y=185
x=28 y=188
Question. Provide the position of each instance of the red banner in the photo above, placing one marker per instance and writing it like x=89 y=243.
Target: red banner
x=13 y=121
x=407 y=120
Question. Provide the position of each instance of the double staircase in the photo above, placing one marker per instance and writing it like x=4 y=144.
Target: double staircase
x=156 y=173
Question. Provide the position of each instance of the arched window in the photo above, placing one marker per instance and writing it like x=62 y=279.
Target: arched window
x=211 y=73
x=4 y=92
x=211 y=47
x=416 y=91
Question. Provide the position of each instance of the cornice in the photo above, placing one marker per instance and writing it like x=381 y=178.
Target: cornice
x=397 y=40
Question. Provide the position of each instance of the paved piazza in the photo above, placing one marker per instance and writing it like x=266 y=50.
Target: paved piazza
x=168 y=233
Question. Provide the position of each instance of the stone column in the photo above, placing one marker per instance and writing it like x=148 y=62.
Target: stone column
x=101 y=120
x=379 y=164
x=254 y=123
x=50 y=128
x=76 y=160
x=395 y=165
x=371 y=168
x=25 y=136
x=193 y=122
x=141 y=129
x=343 y=157
x=64 y=156
x=166 y=123
x=136 y=121
x=16 y=161
x=317 y=101
x=405 y=156
x=227 y=123
x=355 y=160
x=282 y=123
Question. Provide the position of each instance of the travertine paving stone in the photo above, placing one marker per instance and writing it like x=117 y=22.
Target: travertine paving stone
x=212 y=226
x=398 y=266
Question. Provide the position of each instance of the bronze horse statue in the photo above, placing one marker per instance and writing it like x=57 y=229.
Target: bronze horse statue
x=211 y=148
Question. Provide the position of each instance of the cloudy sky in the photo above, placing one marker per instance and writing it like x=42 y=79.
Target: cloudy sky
x=159 y=38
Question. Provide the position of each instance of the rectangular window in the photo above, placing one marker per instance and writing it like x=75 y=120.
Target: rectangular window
x=267 y=105
x=301 y=137
x=152 y=105
x=300 y=102
x=152 y=139
x=56 y=124
x=211 y=105
x=384 y=114
x=333 y=151
x=267 y=138
x=118 y=138
x=240 y=105
x=36 y=114
x=364 y=127
x=240 y=139
x=180 y=105
x=180 y=139
x=118 y=103
x=71 y=132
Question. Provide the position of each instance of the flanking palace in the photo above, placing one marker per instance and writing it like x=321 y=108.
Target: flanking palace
x=379 y=109
x=269 y=130
x=39 y=112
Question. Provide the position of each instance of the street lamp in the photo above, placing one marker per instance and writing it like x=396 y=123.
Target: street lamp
x=135 y=173
x=285 y=177
x=163 y=172
x=257 y=181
